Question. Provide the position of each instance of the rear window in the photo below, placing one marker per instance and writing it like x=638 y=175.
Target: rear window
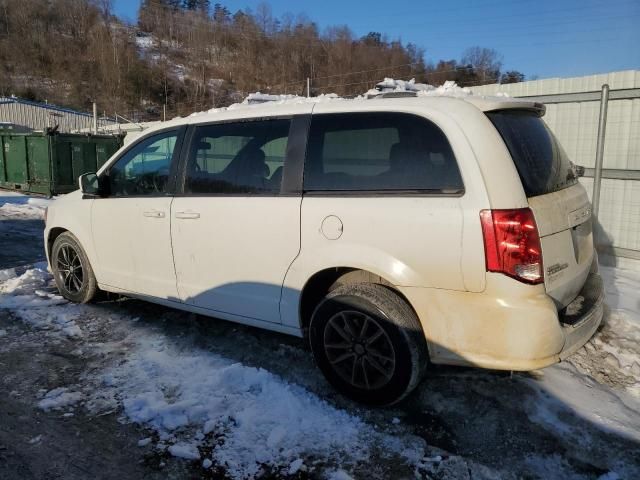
x=541 y=161
x=379 y=152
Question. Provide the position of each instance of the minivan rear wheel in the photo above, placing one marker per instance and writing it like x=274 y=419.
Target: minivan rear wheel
x=72 y=271
x=368 y=343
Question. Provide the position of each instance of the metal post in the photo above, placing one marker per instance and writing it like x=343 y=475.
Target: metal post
x=95 y=118
x=308 y=87
x=602 y=128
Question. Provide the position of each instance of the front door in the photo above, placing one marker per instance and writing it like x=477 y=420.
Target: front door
x=131 y=227
x=234 y=234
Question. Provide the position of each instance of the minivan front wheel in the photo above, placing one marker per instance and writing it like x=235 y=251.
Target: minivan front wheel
x=368 y=343
x=72 y=271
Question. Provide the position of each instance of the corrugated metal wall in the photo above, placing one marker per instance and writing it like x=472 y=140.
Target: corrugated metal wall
x=576 y=126
x=39 y=116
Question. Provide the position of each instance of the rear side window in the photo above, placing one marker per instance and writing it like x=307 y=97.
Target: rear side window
x=379 y=152
x=237 y=158
x=541 y=161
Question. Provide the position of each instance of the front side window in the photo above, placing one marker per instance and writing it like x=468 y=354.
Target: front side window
x=144 y=169
x=379 y=152
x=237 y=158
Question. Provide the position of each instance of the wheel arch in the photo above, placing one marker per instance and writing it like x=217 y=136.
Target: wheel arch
x=54 y=233
x=328 y=279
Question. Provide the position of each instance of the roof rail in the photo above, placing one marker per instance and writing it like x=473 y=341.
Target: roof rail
x=394 y=95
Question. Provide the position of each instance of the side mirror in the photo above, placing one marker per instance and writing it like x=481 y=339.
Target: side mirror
x=89 y=184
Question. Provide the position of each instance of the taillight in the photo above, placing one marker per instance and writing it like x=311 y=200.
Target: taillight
x=512 y=244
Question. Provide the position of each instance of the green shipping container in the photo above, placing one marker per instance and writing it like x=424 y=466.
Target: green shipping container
x=50 y=164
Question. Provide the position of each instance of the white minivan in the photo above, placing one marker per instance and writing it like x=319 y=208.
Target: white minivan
x=391 y=232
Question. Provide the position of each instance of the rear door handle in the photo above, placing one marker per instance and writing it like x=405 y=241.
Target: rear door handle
x=187 y=215
x=153 y=214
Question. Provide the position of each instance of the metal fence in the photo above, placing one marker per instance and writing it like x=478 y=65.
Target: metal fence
x=40 y=116
x=600 y=129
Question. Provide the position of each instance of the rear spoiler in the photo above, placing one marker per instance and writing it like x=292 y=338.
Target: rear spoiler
x=492 y=104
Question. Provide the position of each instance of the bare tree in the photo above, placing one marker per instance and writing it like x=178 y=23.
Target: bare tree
x=486 y=63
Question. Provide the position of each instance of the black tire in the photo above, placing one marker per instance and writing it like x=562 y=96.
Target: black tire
x=72 y=271
x=392 y=347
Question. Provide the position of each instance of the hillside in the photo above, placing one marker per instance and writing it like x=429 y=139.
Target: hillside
x=191 y=56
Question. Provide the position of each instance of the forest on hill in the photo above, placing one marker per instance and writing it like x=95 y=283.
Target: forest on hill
x=190 y=55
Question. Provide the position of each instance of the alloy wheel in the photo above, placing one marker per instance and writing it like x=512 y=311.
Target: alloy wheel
x=359 y=349
x=70 y=269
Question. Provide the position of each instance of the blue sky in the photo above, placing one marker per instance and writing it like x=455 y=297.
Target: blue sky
x=547 y=38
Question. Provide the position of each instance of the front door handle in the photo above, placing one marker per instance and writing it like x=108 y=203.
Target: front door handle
x=153 y=214
x=187 y=215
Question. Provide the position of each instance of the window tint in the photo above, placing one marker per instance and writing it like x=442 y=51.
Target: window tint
x=144 y=169
x=245 y=157
x=541 y=161
x=379 y=151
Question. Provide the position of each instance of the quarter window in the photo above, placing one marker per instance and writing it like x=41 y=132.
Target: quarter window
x=144 y=169
x=237 y=158
x=379 y=151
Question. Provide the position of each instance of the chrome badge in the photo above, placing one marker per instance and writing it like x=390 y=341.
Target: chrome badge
x=579 y=216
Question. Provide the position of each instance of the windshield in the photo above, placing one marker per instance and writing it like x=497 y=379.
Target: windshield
x=541 y=161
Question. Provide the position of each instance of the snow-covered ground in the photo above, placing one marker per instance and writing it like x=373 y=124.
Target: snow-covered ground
x=249 y=403
x=17 y=206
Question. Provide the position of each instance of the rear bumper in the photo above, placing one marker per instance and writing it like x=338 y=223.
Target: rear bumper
x=509 y=326
x=581 y=318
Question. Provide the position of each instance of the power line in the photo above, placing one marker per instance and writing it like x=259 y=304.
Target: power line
x=346 y=74
x=533 y=20
x=483 y=6
x=259 y=35
x=536 y=23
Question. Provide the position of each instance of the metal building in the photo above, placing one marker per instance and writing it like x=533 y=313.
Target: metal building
x=40 y=116
x=573 y=111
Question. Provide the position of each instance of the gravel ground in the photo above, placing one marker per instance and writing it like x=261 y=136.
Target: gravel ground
x=470 y=423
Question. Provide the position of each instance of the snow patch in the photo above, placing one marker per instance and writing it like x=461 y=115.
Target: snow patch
x=30 y=295
x=58 y=398
x=22 y=207
x=295 y=466
x=339 y=475
x=185 y=451
x=448 y=88
x=144 y=442
x=257 y=417
x=600 y=382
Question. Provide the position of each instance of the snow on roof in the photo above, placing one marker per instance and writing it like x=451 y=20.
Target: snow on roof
x=447 y=89
x=258 y=99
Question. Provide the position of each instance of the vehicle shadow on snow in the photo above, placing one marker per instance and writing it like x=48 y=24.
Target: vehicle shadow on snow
x=504 y=421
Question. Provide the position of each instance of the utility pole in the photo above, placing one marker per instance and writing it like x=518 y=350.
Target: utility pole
x=95 y=118
x=308 y=87
x=602 y=128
